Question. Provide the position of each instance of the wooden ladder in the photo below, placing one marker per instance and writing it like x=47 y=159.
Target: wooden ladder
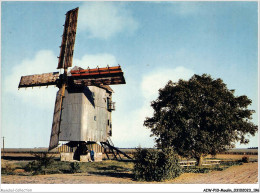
x=109 y=148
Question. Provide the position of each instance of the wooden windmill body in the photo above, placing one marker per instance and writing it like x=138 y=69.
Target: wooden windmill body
x=86 y=115
x=82 y=112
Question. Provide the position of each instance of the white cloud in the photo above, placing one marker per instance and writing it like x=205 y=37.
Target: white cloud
x=105 y=19
x=44 y=62
x=128 y=129
x=128 y=126
x=152 y=82
x=92 y=61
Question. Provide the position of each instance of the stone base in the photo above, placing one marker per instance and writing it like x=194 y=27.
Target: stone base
x=83 y=158
x=87 y=158
x=98 y=157
x=66 y=156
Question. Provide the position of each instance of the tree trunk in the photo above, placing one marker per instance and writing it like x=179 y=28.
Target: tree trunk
x=199 y=160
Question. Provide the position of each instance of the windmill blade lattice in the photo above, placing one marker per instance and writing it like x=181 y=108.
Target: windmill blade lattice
x=68 y=39
x=54 y=140
x=45 y=79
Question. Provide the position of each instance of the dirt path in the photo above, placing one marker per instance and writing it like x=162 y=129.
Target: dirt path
x=65 y=179
x=244 y=174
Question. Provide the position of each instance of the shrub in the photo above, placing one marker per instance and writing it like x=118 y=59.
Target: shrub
x=8 y=169
x=231 y=163
x=40 y=165
x=245 y=159
x=196 y=169
x=155 y=165
x=44 y=159
x=74 y=167
x=35 y=167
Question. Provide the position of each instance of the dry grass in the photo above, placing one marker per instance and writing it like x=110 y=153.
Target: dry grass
x=232 y=157
x=114 y=172
x=244 y=174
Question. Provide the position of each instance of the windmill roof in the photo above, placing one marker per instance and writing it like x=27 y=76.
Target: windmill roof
x=106 y=87
x=74 y=68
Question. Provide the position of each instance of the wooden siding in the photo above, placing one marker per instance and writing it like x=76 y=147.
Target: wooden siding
x=85 y=116
x=95 y=147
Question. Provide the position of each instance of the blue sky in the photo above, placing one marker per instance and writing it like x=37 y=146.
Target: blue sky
x=153 y=42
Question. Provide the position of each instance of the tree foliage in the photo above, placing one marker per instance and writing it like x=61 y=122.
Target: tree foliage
x=199 y=117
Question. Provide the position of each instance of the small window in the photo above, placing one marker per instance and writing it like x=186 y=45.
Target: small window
x=108 y=122
x=95 y=118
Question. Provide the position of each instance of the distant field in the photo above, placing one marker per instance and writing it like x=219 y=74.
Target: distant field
x=23 y=154
x=25 y=150
x=242 y=151
x=234 y=157
x=27 y=153
x=126 y=150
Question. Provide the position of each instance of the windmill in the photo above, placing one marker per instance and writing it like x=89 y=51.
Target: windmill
x=76 y=95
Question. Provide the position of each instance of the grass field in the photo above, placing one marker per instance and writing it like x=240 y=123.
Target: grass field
x=116 y=172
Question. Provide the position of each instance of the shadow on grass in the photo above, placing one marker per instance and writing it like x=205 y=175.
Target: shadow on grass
x=126 y=160
x=113 y=171
x=113 y=168
x=18 y=158
x=119 y=160
x=114 y=174
x=23 y=158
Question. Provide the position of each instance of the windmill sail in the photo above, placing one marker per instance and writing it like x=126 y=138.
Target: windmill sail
x=98 y=76
x=45 y=79
x=54 y=140
x=68 y=39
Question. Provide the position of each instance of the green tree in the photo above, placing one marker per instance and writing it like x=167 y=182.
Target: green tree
x=200 y=117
